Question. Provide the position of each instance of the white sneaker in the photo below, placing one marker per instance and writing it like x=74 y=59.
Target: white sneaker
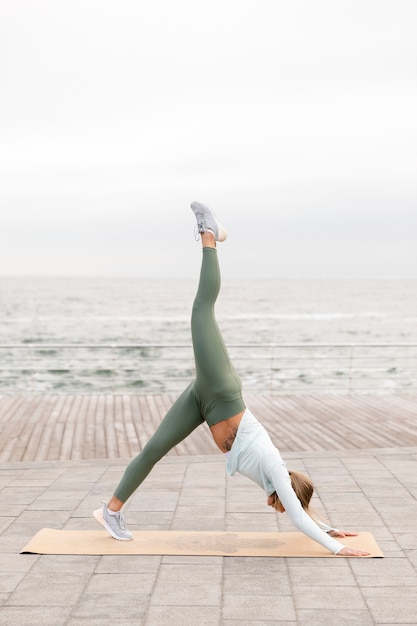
x=114 y=524
x=206 y=221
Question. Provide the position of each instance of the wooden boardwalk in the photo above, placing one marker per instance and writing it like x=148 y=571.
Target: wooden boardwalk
x=70 y=427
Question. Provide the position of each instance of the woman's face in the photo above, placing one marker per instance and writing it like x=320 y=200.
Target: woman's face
x=275 y=502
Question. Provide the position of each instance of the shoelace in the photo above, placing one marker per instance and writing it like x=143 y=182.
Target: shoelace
x=200 y=227
x=119 y=518
x=121 y=521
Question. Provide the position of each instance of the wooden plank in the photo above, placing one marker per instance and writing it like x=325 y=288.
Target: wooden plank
x=8 y=406
x=69 y=429
x=44 y=444
x=80 y=429
x=15 y=430
x=362 y=424
x=136 y=423
x=276 y=417
x=123 y=450
x=99 y=432
x=35 y=421
x=58 y=431
x=310 y=428
x=131 y=436
x=109 y=430
x=88 y=445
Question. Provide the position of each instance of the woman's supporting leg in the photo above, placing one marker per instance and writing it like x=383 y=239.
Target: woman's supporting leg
x=182 y=418
x=217 y=384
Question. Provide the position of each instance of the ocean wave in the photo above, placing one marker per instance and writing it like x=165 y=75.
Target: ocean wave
x=301 y=316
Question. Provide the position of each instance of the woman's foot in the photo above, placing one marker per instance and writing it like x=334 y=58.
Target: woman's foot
x=113 y=522
x=206 y=221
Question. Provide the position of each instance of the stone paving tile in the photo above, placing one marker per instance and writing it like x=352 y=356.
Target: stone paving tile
x=260 y=584
x=148 y=517
x=12 y=544
x=406 y=540
x=176 y=594
x=383 y=572
x=104 y=608
x=380 y=532
x=164 y=501
x=395 y=610
x=21 y=495
x=193 y=560
x=412 y=557
x=31 y=482
x=3 y=598
x=196 y=523
x=114 y=583
x=390 y=549
x=145 y=526
x=378 y=487
x=64 y=563
x=60 y=504
x=327 y=596
x=184 y=615
x=275 y=622
x=22 y=531
x=258 y=607
x=134 y=620
x=17 y=563
x=34 y=616
x=247 y=522
x=63 y=588
x=185 y=499
x=10 y=580
x=6 y=479
x=190 y=574
x=10 y=471
x=234 y=566
x=324 y=617
x=82 y=523
x=13 y=509
x=51 y=518
x=5 y=522
x=140 y=564
x=321 y=573
x=200 y=512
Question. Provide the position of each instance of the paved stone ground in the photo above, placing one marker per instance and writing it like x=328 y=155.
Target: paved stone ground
x=373 y=490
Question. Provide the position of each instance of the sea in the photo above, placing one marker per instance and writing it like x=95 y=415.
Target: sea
x=130 y=335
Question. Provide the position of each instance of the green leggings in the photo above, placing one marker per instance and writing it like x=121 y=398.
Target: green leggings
x=214 y=395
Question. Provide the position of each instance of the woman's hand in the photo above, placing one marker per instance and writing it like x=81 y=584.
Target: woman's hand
x=347 y=551
x=352 y=552
x=341 y=533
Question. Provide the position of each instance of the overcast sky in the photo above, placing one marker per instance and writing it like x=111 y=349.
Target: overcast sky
x=295 y=120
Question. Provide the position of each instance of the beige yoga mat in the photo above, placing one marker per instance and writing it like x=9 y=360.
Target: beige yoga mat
x=189 y=543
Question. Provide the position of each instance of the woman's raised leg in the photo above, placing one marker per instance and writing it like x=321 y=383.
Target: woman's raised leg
x=217 y=383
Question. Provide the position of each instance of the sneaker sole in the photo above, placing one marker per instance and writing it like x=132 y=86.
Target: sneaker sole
x=99 y=518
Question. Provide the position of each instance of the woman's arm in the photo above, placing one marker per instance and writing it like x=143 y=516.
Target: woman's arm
x=281 y=481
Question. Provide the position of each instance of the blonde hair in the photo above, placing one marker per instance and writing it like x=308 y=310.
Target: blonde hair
x=303 y=488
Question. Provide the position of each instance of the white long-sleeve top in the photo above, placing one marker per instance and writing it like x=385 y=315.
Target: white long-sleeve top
x=254 y=455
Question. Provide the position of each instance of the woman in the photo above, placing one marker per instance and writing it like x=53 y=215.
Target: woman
x=215 y=396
